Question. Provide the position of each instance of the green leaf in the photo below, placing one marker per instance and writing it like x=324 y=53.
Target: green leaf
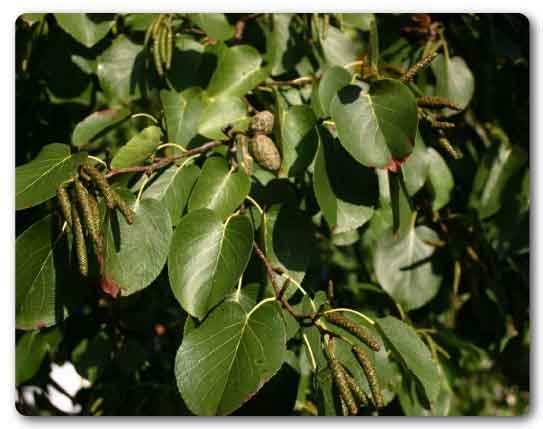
x=38 y=180
x=362 y=21
x=220 y=113
x=376 y=127
x=331 y=82
x=226 y=360
x=207 y=258
x=182 y=112
x=219 y=187
x=415 y=169
x=215 y=25
x=135 y=254
x=413 y=354
x=121 y=69
x=454 y=81
x=40 y=252
x=97 y=123
x=138 y=148
x=405 y=267
x=299 y=139
x=173 y=188
x=87 y=28
x=495 y=171
x=341 y=47
x=440 y=179
x=288 y=240
x=30 y=351
x=238 y=71
x=345 y=189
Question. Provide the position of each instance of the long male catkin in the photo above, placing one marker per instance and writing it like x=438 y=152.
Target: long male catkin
x=64 y=203
x=340 y=380
x=124 y=209
x=436 y=102
x=354 y=329
x=102 y=184
x=88 y=214
x=357 y=390
x=79 y=241
x=371 y=375
x=417 y=67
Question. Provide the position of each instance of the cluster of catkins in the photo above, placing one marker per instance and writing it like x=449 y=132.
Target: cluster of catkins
x=351 y=395
x=261 y=147
x=79 y=208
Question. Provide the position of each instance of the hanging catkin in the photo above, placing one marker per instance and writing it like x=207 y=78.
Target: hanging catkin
x=355 y=329
x=371 y=375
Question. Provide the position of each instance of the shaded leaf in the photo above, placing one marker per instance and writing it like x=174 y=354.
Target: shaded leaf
x=331 y=82
x=415 y=169
x=39 y=301
x=454 y=81
x=405 y=267
x=345 y=189
x=30 y=351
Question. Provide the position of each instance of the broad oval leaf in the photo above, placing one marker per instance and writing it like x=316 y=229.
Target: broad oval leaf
x=376 y=127
x=440 y=179
x=220 y=113
x=38 y=180
x=345 y=190
x=238 y=71
x=97 y=123
x=135 y=254
x=138 y=148
x=215 y=25
x=39 y=297
x=207 y=258
x=454 y=81
x=226 y=360
x=284 y=47
x=120 y=70
x=406 y=268
x=182 y=111
x=220 y=187
x=173 y=188
x=341 y=47
x=87 y=28
x=413 y=353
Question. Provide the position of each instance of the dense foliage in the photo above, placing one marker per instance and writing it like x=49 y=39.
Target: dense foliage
x=273 y=214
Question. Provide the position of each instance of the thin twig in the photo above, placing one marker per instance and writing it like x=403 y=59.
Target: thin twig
x=163 y=162
x=275 y=286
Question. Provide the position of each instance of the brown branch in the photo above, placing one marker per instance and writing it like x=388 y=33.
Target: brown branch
x=300 y=81
x=163 y=162
x=277 y=290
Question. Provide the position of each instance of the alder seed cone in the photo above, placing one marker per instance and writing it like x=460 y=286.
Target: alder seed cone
x=262 y=122
x=265 y=152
